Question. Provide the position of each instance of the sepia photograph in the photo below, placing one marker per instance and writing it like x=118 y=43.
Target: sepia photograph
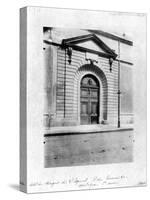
x=88 y=90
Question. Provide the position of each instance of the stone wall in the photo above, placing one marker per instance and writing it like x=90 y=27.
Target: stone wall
x=68 y=80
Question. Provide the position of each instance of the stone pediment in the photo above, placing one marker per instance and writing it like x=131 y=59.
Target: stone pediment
x=90 y=43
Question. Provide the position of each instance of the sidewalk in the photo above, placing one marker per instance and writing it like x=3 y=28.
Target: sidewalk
x=80 y=147
x=98 y=128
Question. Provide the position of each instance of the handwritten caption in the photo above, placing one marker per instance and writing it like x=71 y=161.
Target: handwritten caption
x=84 y=182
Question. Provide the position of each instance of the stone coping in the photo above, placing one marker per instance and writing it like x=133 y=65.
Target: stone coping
x=86 y=129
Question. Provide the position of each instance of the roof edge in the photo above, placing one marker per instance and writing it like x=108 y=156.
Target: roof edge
x=112 y=36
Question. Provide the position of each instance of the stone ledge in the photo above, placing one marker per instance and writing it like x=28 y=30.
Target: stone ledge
x=84 y=129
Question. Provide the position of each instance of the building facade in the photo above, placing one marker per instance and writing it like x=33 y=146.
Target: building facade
x=88 y=78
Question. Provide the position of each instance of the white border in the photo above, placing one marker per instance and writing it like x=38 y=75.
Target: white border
x=134 y=173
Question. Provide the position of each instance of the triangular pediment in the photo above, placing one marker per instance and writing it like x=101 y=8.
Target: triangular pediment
x=90 y=42
x=91 y=45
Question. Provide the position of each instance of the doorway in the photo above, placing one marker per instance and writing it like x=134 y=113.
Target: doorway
x=89 y=100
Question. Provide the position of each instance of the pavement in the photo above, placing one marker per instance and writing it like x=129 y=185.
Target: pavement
x=74 y=148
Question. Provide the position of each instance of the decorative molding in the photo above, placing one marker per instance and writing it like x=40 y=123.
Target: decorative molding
x=111 y=36
x=125 y=62
x=83 y=49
